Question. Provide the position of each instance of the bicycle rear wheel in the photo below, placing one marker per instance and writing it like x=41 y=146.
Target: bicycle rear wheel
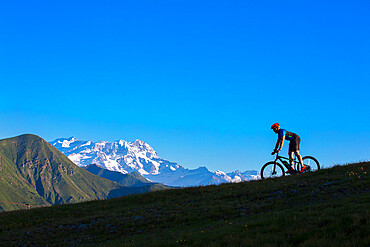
x=312 y=164
x=272 y=170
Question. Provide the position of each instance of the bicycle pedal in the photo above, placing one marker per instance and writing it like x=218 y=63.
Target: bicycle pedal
x=307 y=168
x=291 y=171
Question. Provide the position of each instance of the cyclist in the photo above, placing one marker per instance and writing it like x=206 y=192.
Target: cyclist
x=294 y=141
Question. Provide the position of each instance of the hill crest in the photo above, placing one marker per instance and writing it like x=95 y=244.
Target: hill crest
x=328 y=207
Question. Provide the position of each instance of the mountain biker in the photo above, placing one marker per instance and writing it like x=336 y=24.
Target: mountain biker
x=294 y=141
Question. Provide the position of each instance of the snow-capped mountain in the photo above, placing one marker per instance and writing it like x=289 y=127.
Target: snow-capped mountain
x=126 y=157
x=200 y=176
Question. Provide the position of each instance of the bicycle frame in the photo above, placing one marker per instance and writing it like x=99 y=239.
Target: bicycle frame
x=282 y=158
x=276 y=167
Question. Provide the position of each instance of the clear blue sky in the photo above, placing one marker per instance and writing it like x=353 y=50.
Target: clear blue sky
x=200 y=81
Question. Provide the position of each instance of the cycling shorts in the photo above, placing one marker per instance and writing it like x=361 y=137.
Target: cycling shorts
x=294 y=144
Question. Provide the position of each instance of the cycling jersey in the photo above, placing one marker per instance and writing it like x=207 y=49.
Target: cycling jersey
x=290 y=136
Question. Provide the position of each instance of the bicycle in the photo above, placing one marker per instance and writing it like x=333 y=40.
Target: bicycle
x=275 y=168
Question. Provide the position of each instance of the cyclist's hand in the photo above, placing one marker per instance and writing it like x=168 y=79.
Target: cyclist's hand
x=273 y=152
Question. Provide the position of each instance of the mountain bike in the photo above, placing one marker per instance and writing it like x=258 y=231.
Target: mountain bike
x=276 y=168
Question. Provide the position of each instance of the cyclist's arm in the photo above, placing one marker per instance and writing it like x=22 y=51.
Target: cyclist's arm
x=282 y=142
x=279 y=143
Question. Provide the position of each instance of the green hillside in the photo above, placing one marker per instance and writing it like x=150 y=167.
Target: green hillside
x=133 y=182
x=329 y=207
x=33 y=171
x=133 y=179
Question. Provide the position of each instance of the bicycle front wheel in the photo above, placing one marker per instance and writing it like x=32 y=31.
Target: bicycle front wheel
x=312 y=163
x=272 y=170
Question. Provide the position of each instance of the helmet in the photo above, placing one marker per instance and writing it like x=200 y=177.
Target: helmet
x=275 y=125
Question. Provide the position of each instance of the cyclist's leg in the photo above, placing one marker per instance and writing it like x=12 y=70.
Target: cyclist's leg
x=297 y=154
x=290 y=169
x=290 y=153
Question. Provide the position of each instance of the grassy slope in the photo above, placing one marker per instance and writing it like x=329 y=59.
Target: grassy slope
x=327 y=208
x=133 y=179
x=33 y=171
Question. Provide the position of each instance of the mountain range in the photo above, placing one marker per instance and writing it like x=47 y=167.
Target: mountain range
x=126 y=157
x=33 y=172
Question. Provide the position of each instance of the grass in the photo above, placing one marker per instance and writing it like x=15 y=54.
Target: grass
x=329 y=207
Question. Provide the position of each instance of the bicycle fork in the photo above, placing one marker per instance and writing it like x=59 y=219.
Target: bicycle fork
x=274 y=170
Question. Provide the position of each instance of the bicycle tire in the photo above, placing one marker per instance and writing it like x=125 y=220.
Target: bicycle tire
x=267 y=170
x=312 y=163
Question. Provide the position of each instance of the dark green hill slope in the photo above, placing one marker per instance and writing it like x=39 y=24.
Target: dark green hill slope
x=133 y=179
x=133 y=182
x=329 y=207
x=33 y=171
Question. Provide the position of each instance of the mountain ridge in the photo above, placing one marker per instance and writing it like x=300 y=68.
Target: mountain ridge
x=32 y=171
x=126 y=157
